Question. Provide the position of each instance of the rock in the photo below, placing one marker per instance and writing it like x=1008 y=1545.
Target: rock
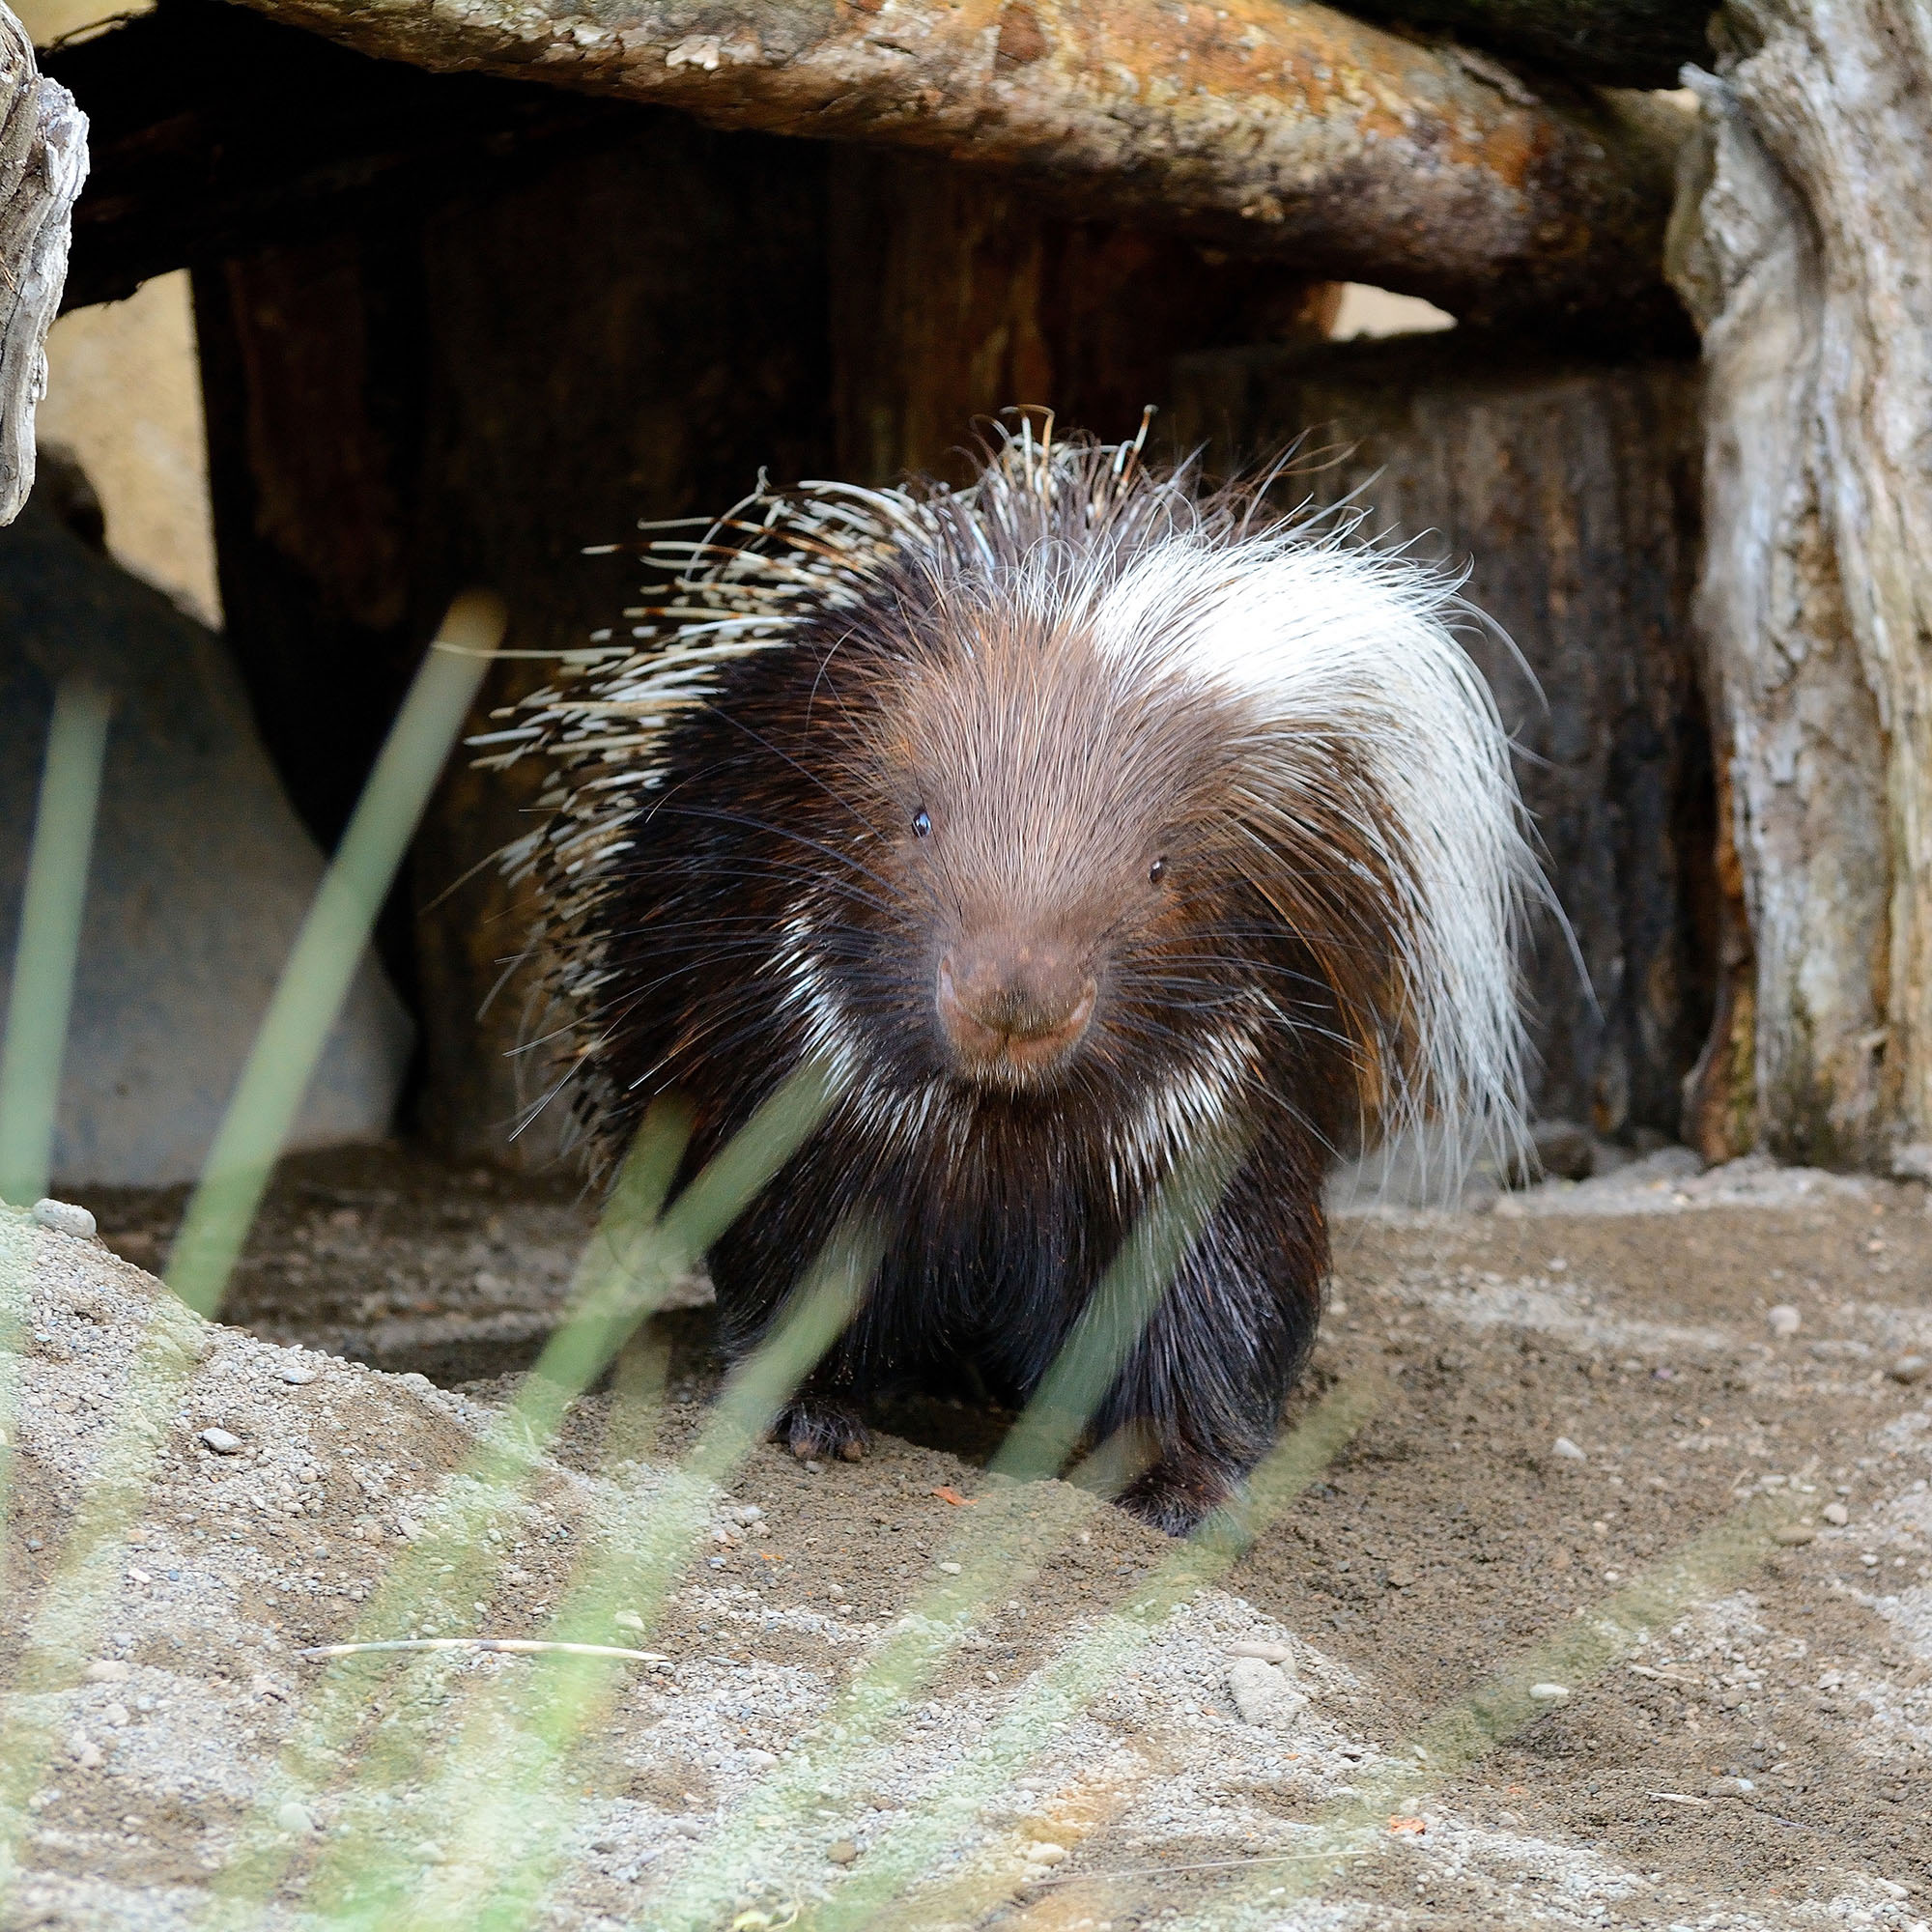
x=1550 y=1694
x=628 y=1620
x=298 y=1374
x=1783 y=1320
x=1912 y=1162
x=1264 y=1693
x=1268 y=1653
x=200 y=879
x=1569 y=1451
x=293 y=1816
x=1837 y=1515
x=86 y=1753
x=1729 y=1787
x=842 y=1853
x=1563 y=1149
x=220 y=1442
x=949 y=1569
x=65 y=1218
x=747 y=1513
x=1910 y=1368
x=1794 y=1534
x=108 y=1670
x=1044 y=1852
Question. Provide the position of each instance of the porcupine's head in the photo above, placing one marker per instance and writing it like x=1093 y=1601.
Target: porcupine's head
x=1069 y=791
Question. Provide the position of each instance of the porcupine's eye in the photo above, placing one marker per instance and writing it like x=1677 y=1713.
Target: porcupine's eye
x=1157 y=871
x=921 y=825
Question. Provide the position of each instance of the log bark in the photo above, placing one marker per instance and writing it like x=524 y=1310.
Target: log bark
x=1802 y=244
x=403 y=409
x=1570 y=490
x=956 y=295
x=1615 y=42
x=43 y=164
x=1268 y=127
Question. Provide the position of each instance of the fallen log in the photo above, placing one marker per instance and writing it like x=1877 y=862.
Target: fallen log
x=43 y=164
x=1268 y=127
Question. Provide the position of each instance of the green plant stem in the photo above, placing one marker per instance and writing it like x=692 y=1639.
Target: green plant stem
x=42 y=995
x=308 y=995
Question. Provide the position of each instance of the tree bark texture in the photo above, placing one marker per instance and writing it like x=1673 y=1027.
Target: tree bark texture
x=956 y=295
x=1570 y=490
x=43 y=165
x=1268 y=127
x=1801 y=245
x=404 y=409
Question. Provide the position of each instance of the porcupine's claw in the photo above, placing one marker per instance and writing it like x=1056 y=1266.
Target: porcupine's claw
x=813 y=1427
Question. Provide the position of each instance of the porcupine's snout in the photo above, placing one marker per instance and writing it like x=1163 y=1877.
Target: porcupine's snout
x=1012 y=1004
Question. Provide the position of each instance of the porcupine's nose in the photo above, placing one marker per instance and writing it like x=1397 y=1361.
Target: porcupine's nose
x=1010 y=1003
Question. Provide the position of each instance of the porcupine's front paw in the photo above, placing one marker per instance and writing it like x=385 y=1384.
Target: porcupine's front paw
x=813 y=1427
x=1178 y=1491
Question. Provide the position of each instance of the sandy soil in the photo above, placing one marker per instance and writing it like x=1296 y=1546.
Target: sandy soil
x=1569 y=1391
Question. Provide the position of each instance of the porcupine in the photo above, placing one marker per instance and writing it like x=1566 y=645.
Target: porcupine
x=1072 y=818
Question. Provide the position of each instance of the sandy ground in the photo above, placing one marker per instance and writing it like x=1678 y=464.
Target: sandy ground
x=1565 y=1395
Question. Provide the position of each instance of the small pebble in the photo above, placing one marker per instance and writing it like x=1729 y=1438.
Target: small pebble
x=1910 y=1368
x=1268 y=1653
x=843 y=1852
x=1044 y=1853
x=108 y=1670
x=815 y=1468
x=1795 y=1533
x=298 y=1374
x=1836 y=1513
x=1729 y=1787
x=1550 y=1694
x=950 y=1569
x=221 y=1441
x=293 y=1816
x=65 y=1218
x=747 y=1512
x=1569 y=1451
x=1783 y=1320
x=628 y=1620
x=87 y=1753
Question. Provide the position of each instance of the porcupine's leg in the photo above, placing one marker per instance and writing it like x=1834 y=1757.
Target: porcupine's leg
x=1205 y=1386
x=750 y=1269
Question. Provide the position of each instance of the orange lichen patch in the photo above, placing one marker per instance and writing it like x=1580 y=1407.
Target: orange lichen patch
x=1401 y=1825
x=948 y=1495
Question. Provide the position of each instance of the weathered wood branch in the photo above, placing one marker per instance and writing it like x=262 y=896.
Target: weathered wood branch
x=1266 y=126
x=1615 y=42
x=43 y=164
x=1802 y=247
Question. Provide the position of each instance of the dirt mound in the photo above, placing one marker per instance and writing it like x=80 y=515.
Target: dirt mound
x=1559 y=1409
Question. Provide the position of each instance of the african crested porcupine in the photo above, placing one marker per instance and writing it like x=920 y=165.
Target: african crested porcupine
x=1072 y=819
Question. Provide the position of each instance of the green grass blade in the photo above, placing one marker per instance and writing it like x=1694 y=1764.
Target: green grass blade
x=41 y=994
x=309 y=994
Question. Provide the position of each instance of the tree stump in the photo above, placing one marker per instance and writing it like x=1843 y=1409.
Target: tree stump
x=1801 y=245
x=1570 y=489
